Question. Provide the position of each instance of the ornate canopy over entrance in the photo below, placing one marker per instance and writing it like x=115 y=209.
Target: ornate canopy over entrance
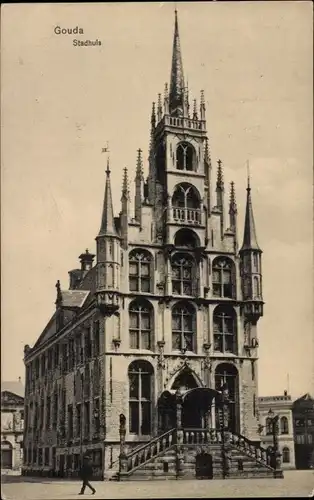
x=186 y=401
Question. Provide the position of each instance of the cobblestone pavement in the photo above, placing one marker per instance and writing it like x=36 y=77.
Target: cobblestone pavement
x=294 y=484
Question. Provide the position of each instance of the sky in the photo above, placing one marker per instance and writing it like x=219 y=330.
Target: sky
x=61 y=104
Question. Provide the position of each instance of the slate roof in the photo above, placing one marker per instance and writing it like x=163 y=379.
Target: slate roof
x=74 y=298
x=15 y=387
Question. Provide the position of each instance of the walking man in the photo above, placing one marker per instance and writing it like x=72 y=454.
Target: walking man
x=86 y=474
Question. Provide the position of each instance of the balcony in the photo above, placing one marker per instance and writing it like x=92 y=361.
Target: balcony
x=190 y=216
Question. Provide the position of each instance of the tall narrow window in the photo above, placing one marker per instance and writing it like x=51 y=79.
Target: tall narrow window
x=140 y=318
x=227 y=375
x=78 y=420
x=183 y=327
x=48 y=412
x=140 y=397
x=256 y=288
x=223 y=285
x=182 y=274
x=96 y=338
x=70 y=421
x=284 y=427
x=140 y=263
x=225 y=337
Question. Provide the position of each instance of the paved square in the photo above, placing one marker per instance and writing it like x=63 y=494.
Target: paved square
x=294 y=484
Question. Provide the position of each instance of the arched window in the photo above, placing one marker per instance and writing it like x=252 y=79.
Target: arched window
x=256 y=287
x=227 y=375
x=187 y=239
x=223 y=278
x=183 y=270
x=141 y=322
x=225 y=329
x=185 y=196
x=140 y=271
x=269 y=426
x=285 y=455
x=284 y=426
x=183 y=327
x=185 y=157
x=140 y=376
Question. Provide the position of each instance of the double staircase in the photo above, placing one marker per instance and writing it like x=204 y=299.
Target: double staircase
x=200 y=453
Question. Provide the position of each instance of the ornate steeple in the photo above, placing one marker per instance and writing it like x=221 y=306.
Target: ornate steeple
x=107 y=221
x=176 y=100
x=249 y=236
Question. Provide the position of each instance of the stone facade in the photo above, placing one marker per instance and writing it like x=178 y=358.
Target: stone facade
x=171 y=303
x=12 y=425
x=281 y=406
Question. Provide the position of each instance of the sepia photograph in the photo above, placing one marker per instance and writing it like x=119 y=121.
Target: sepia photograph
x=157 y=327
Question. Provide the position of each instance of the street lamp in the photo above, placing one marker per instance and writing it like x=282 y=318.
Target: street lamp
x=276 y=455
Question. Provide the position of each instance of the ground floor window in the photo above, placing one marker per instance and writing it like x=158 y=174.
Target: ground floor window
x=285 y=455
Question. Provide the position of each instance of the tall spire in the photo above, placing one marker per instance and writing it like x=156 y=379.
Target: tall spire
x=176 y=78
x=107 y=221
x=249 y=236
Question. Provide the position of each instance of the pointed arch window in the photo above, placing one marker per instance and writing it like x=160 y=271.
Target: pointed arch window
x=185 y=196
x=140 y=264
x=140 y=321
x=284 y=426
x=285 y=455
x=183 y=327
x=183 y=274
x=140 y=376
x=226 y=375
x=223 y=278
x=225 y=330
x=185 y=157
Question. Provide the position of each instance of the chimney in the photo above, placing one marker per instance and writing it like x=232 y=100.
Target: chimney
x=86 y=261
x=76 y=275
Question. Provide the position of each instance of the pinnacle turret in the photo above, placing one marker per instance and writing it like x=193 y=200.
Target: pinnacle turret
x=107 y=221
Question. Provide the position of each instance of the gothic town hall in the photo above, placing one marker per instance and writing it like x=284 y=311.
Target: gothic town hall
x=149 y=362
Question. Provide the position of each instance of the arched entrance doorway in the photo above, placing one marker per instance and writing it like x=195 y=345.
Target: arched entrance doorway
x=6 y=455
x=204 y=466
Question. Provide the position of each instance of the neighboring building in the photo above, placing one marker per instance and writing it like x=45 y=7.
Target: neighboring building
x=303 y=422
x=281 y=406
x=12 y=425
x=171 y=304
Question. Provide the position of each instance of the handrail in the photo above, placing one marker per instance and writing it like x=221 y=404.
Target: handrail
x=149 y=443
